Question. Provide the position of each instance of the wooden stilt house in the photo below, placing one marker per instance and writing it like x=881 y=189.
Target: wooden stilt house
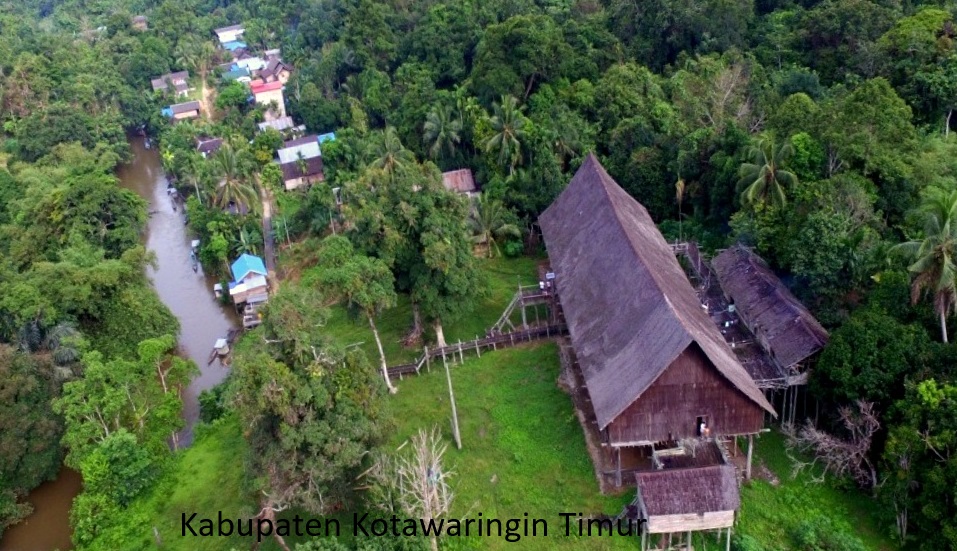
x=656 y=368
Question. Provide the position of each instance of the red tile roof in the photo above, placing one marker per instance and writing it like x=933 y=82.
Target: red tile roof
x=267 y=87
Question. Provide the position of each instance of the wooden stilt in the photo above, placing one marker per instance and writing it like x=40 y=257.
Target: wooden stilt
x=747 y=472
x=689 y=541
x=618 y=474
x=644 y=536
x=524 y=321
x=478 y=350
x=461 y=355
x=428 y=360
x=727 y=546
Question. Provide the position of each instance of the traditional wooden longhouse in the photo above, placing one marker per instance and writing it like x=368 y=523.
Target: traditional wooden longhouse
x=655 y=366
x=776 y=318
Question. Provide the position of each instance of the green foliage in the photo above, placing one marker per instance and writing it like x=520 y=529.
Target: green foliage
x=119 y=468
x=823 y=534
x=29 y=430
x=869 y=358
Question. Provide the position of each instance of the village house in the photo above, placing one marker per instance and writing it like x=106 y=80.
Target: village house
x=249 y=62
x=460 y=181
x=232 y=33
x=267 y=93
x=281 y=124
x=275 y=71
x=301 y=162
x=183 y=111
x=249 y=283
x=208 y=146
x=237 y=73
x=179 y=82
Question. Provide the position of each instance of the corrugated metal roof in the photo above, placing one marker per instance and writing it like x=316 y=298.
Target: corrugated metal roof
x=629 y=306
x=246 y=264
x=460 y=181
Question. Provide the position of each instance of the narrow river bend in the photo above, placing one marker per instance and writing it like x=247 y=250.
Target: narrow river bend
x=188 y=294
x=202 y=320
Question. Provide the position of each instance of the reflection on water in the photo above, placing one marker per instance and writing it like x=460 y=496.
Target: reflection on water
x=48 y=528
x=202 y=319
x=188 y=294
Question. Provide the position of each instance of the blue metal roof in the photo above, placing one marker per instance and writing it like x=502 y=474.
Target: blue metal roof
x=247 y=264
x=234 y=45
x=167 y=112
x=327 y=137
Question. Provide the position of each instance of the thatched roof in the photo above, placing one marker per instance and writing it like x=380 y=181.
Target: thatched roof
x=628 y=304
x=779 y=321
x=682 y=491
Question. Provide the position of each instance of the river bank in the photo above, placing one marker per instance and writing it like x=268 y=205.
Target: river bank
x=202 y=319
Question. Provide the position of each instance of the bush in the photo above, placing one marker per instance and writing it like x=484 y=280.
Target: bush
x=746 y=543
x=211 y=404
x=823 y=534
x=513 y=248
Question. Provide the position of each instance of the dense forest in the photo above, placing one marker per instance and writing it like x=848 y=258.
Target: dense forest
x=816 y=131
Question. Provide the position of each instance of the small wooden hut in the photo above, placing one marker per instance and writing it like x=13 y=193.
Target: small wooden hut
x=677 y=502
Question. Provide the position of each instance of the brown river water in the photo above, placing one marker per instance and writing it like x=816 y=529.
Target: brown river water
x=202 y=319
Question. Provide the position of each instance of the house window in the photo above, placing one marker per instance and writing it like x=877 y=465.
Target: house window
x=703 y=426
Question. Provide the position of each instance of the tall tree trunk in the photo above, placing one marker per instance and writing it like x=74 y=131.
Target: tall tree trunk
x=385 y=368
x=440 y=334
x=943 y=324
x=416 y=319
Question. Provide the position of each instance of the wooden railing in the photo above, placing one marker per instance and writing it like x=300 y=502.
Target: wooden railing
x=490 y=342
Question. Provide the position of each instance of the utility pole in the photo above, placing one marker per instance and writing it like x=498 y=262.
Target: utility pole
x=455 y=415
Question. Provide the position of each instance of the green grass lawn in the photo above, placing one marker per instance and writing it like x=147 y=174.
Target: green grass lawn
x=503 y=277
x=523 y=450
x=771 y=514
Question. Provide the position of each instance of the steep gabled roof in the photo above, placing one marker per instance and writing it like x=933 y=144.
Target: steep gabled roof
x=629 y=306
x=777 y=317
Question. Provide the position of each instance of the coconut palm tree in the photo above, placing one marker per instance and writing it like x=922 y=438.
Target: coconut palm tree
x=765 y=178
x=491 y=222
x=932 y=257
x=509 y=124
x=442 y=130
x=388 y=152
x=234 y=186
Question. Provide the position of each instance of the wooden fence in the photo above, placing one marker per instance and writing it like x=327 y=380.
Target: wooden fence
x=491 y=342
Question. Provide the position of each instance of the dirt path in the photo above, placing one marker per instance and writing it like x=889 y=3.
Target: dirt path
x=207 y=93
x=269 y=240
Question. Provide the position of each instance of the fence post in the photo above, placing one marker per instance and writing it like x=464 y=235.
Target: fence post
x=478 y=350
x=461 y=356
